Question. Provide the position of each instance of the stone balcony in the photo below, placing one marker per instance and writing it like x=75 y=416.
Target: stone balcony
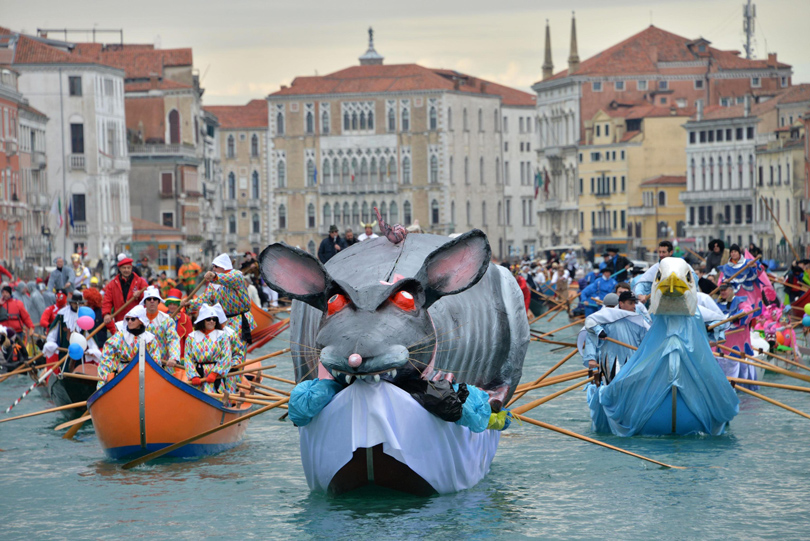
x=357 y=188
x=159 y=149
x=229 y=204
x=76 y=162
x=717 y=196
x=641 y=211
x=763 y=228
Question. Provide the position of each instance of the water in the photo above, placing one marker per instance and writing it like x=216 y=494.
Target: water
x=752 y=483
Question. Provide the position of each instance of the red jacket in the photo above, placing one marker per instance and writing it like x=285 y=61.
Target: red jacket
x=3 y=270
x=17 y=316
x=48 y=316
x=114 y=297
x=524 y=288
x=184 y=328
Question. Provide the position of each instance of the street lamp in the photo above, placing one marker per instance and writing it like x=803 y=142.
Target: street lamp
x=46 y=232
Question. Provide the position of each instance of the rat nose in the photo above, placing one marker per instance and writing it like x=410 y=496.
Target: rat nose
x=355 y=360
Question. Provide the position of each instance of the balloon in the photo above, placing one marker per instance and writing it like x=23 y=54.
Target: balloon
x=807 y=308
x=86 y=311
x=77 y=338
x=86 y=323
x=75 y=351
x=780 y=338
x=806 y=321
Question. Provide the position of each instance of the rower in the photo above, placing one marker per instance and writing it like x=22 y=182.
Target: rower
x=208 y=350
x=643 y=284
x=598 y=289
x=231 y=383
x=122 y=348
x=163 y=327
x=184 y=325
x=641 y=310
x=65 y=323
x=738 y=335
x=226 y=286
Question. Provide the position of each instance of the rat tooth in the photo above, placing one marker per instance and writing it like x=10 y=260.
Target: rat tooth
x=393 y=373
x=348 y=379
x=376 y=378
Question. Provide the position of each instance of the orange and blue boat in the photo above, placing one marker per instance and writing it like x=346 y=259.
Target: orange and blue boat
x=144 y=409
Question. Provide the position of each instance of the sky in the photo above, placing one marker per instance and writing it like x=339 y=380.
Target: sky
x=246 y=49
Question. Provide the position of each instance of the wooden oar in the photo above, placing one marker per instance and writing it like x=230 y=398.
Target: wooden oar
x=769 y=384
x=694 y=253
x=176 y=309
x=785 y=359
x=547 y=312
x=733 y=276
x=772 y=401
x=268 y=376
x=549 y=333
x=546 y=341
x=248 y=371
x=800 y=287
x=170 y=448
x=795 y=253
x=262 y=358
x=558 y=313
x=80 y=376
x=628 y=346
x=260 y=386
x=732 y=318
x=590 y=440
x=43 y=412
x=75 y=428
x=68 y=424
x=533 y=404
x=26 y=367
x=519 y=395
x=555 y=380
x=762 y=364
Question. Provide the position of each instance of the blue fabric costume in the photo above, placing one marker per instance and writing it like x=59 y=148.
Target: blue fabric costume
x=627 y=327
x=598 y=289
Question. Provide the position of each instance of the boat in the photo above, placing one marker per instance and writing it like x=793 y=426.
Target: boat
x=64 y=390
x=144 y=409
x=262 y=318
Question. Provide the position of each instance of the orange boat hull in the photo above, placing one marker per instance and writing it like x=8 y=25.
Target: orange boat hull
x=262 y=317
x=144 y=409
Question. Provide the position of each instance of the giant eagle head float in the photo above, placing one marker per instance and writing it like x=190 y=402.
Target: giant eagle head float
x=674 y=289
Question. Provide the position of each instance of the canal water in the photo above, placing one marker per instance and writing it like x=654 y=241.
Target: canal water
x=753 y=482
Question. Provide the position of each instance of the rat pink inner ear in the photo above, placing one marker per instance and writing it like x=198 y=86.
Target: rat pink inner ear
x=458 y=265
x=293 y=272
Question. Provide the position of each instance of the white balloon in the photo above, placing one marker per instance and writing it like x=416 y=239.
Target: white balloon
x=77 y=338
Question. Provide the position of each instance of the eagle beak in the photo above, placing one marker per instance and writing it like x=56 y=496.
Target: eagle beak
x=672 y=285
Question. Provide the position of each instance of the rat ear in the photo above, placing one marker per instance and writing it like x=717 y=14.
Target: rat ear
x=295 y=273
x=455 y=266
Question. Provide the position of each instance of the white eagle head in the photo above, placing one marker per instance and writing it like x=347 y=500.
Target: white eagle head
x=674 y=291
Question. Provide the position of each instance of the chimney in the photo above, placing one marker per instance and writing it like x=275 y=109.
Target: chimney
x=548 y=65
x=699 y=115
x=573 y=57
x=772 y=60
x=747 y=106
x=153 y=81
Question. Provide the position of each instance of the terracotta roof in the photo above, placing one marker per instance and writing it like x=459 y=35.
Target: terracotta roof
x=401 y=78
x=796 y=94
x=665 y=180
x=641 y=53
x=138 y=61
x=164 y=84
x=252 y=115
x=31 y=51
x=629 y=135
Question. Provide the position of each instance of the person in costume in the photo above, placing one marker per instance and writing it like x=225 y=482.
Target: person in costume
x=50 y=312
x=81 y=274
x=640 y=309
x=188 y=273
x=368 y=232
x=620 y=323
x=231 y=382
x=642 y=286
x=598 y=289
x=746 y=283
x=738 y=333
x=208 y=351
x=122 y=348
x=184 y=325
x=165 y=284
x=226 y=286
x=120 y=290
x=163 y=327
x=717 y=256
x=620 y=263
x=65 y=323
x=14 y=315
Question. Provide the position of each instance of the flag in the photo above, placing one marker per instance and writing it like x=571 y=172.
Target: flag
x=70 y=215
x=56 y=211
x=538 y=181
x=353 y=172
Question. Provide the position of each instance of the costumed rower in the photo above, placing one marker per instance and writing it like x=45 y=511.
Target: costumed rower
x=738 y=336
x=14 y=316
x=122 y=347
x=641 y=310
x=50 y=312
x=184 y=325
x=231 y=383
x=208 y=351
x=119 y=290
x=164 y=329
x=188 y=273
x=598 y=289
x=226 y=286
x=65 y=323
x=749 y=283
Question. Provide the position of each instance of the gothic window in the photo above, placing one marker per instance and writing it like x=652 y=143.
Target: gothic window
x=280 y=123
x=711 y=174
x=393 y=213
x=346 y=121
x=383 y=170
x=392 y=169
x=480 y=120
x=336 y=216
x=484 y=213
x=311 y=216
x=450 y=170
x=406 y=120
x=466 y=170
x=256 y=223
x=354 y=121
x=311 y=180
x=174 y=127
x=282 y=174
x=497 y=170
x=450 y=119
x=362 y=120
x=433 y=120
x=366 y=215
x=282 y=217
x=370 y=122
x=434 y=212
x=347 y=219
x=453 y=213
x=384 y=211
x=363 y=169
x=434 y=169
x=345 y=171
x=406 y=170
x=335 y=171
x=500 y=213
x=407 y=217
x=255 y=185
x=232 y=224
x=311 y=247
x=392 y=120
x=310 y=122
x=355 y=213
x=481 y=170
x=355 y=169
x=327 y=214
x=469 y=217
x=231 y=185
x=254 y=146
x=464 y=120
x=327 y=171
x=373 y=170
x=231 y=147
x=325 y=122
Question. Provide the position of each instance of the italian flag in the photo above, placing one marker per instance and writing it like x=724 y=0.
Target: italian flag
x=56 y=211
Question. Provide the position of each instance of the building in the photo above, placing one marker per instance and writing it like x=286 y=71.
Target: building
x=33 y=179
x=245 y=190
x=631 y=168
x=165 y=137
x=422 y=145
x=85 y=142
x=653 y=66
x=13 y=206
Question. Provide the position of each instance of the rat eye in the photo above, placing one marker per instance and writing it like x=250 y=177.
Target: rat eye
x=404 y=300
x=337 y=303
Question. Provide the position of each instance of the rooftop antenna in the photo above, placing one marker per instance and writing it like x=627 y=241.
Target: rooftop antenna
x=749 y=19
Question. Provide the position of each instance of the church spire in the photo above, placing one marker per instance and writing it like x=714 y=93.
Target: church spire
x=548 y=65
x=371 y=57
x=573 y=58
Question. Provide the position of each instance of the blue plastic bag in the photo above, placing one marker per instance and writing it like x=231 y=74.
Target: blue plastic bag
x=476 y=410
x=309 y=397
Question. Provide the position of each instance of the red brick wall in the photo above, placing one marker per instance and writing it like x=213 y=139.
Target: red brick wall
x=146 y=114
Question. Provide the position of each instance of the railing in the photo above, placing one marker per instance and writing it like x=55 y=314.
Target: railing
x=163 y=149
x=601 y=232
x=39 y=159
x=11 y=148
x=254 y=204
x=718 y=195
x=551 y=204
x=358 y=188
x=76 y=162
x=37 y=201
x=255 y=238
x=641 y=211
x=79 y=229
x=229 y=204
x=230 y=238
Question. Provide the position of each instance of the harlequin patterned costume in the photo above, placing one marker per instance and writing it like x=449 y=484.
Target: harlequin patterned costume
x=207 y=354
x=122 y=348
x=164 y=329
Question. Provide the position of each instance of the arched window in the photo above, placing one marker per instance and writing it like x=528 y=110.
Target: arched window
x=174 y=127
x=450 y=118
x=500 y=213
x=406 y=170
x=335 y=171
x=662 y=199
x=362 y=120
x=740 y=171
x=327 y=172
x=345 y=171
x=384 y=211
x=256 y=223
x=355 y=213
x=406 y=120
x=434 y=169
x=778 y=213
x=231 y=146
x=464 y=120
x=434 y=212
x=336 y=217
x=480 y=120
x=311 y=216
x=346 y=121
x=434 y=122
x=327 y=214
x=761 y=214
x=254 y=146
x=311 y=180
x=497 y=170
x=280 y=124
x=392 y=169
x=392 y=120
x=311 y=247
x=232 y=224
x=282 y=217
x=363 y=171
x=383 y=170
x=354 y=121
x=703 y=173
x=450 y=170
x=310 y=122
x=728 y=168
x=711 y=174
x=393 y=212
x=484 y=213
x=469 y=217
x=466 y=170
x=231 y=185
x=481 y=170
x=254 y=185
x=407 y=217
x=373 y=170
x=325 y=123
x=366 y=215
x=371 y=120
x=282 y=174
x=347 y=219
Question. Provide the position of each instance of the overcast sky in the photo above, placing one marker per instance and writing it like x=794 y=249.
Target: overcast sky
x=246 y=49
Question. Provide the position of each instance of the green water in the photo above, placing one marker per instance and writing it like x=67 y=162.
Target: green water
x=753 y=482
